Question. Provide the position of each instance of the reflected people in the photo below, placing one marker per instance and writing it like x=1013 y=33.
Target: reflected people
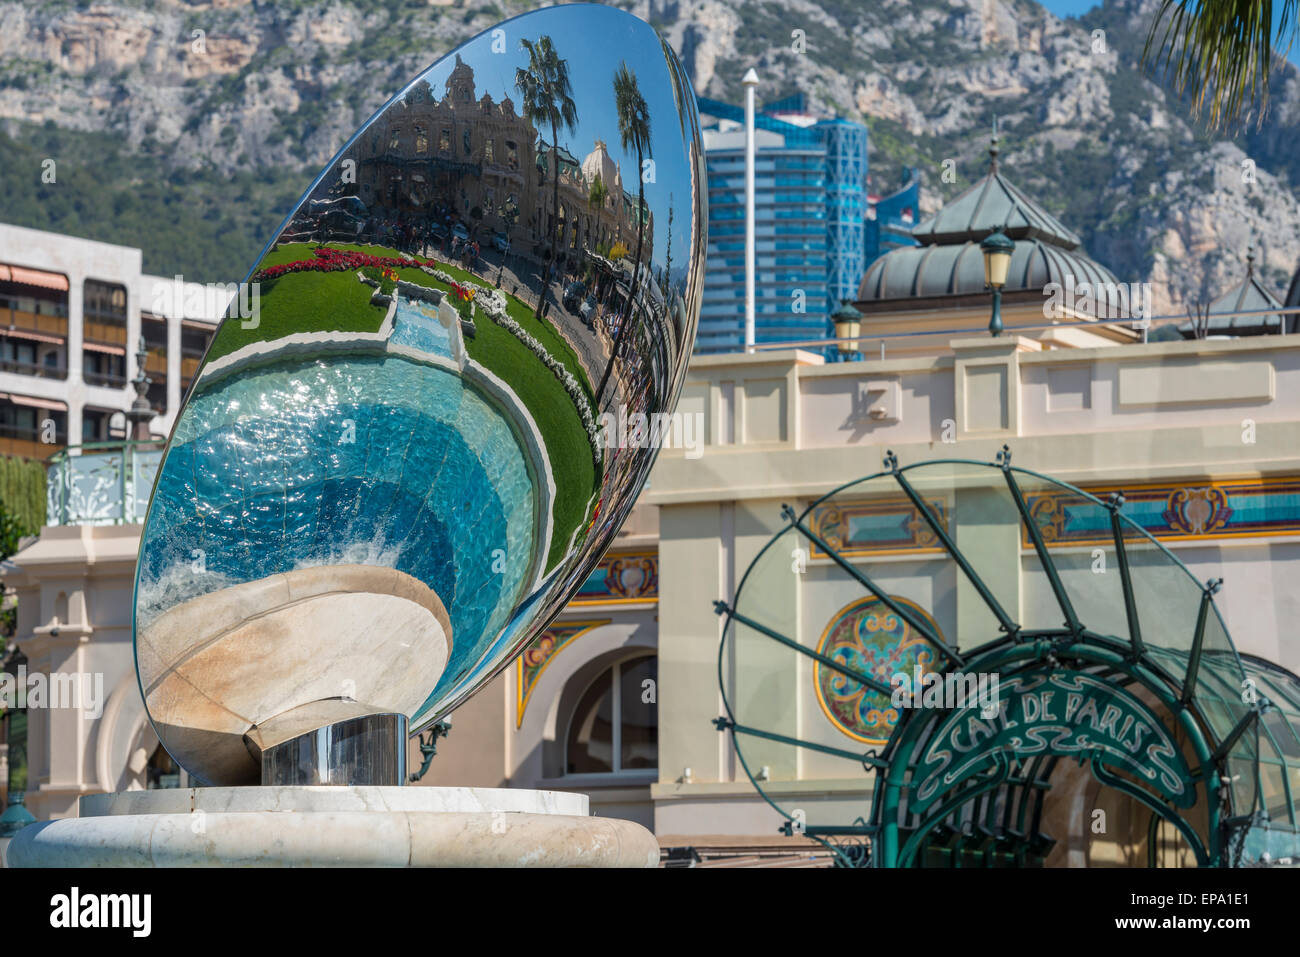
x=393 y=474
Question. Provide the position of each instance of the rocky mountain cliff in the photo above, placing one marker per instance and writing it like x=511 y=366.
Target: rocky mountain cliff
x=220 y=99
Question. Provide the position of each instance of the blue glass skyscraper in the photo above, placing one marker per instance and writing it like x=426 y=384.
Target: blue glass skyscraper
x=846 y=207
x=810 y=206
x=890 y=218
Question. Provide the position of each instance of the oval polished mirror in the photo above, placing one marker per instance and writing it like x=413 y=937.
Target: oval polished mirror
x=393 y=468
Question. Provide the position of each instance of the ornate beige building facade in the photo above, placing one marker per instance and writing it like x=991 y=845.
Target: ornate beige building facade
x=1161 y=420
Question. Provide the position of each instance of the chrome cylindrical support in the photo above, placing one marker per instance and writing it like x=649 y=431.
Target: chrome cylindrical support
x=369 y=749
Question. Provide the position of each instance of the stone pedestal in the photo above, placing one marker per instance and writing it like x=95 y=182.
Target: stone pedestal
x=335 y=827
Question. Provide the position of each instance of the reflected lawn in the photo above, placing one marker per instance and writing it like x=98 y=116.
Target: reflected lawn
x=337 y=301
x=302 y=302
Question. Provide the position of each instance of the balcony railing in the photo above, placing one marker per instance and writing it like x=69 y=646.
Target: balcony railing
x=26 y=448
x=101 y=483
x=33 y=369
x=105 y=332
x=10 y=431
x=105 y=379
x=30 y=443
x=46 y=324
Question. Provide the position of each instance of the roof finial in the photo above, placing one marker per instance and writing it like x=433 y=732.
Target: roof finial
x=993 y=147
x=1250 y=260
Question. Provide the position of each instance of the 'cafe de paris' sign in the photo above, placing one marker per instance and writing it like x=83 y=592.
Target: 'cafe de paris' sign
x=1064 y=713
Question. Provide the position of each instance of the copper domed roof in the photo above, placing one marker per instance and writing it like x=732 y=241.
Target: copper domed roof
x=949 y=261
x=994 y=203
x=1223 y=315
x=924 y=272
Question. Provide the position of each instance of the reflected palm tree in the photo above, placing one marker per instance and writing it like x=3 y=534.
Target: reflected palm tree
x=679 y=84
x=548 y=101
x=634 y=134
x=598 y=194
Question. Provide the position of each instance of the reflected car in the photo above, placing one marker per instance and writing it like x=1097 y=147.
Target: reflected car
x=459 y=231
x=344 y=216
x=573 y=295
x=349 y=204
x=588 y=309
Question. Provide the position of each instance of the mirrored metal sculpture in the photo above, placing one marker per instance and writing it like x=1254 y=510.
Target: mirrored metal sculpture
x=391 y=469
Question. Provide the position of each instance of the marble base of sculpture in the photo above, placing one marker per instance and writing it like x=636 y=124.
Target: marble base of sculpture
x=335 y=827
x=215 y=669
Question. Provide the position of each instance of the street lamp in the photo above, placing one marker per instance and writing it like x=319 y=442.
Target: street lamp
x=848 y=323
x=997 y=249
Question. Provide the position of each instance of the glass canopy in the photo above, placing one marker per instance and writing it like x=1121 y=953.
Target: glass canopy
x=948 y=627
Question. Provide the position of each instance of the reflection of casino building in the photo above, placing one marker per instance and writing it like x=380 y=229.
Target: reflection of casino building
x=468 y=153
x=462 y=151
x=612 y=220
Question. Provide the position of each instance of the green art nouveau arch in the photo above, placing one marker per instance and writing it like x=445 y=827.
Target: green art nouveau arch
x=1118 y=754
x=1115 y=658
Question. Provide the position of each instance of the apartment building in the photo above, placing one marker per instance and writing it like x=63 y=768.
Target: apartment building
x=73 y=313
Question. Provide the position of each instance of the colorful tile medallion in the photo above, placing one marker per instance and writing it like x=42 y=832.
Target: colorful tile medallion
x=867 y=636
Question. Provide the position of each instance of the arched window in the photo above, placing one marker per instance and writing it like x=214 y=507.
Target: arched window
x=615 y=725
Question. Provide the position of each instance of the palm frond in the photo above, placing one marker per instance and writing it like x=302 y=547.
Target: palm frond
x=1220 y=52
x=633 y=112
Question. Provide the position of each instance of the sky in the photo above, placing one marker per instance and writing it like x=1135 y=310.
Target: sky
x=1074 y=8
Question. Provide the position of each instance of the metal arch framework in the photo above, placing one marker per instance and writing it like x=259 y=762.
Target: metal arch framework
x=997 y=811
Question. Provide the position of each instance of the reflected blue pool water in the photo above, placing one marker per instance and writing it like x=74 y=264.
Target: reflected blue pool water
x=416 y=324
x=368 y=459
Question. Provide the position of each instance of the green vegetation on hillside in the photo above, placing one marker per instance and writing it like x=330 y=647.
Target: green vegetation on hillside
x=205 y=225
